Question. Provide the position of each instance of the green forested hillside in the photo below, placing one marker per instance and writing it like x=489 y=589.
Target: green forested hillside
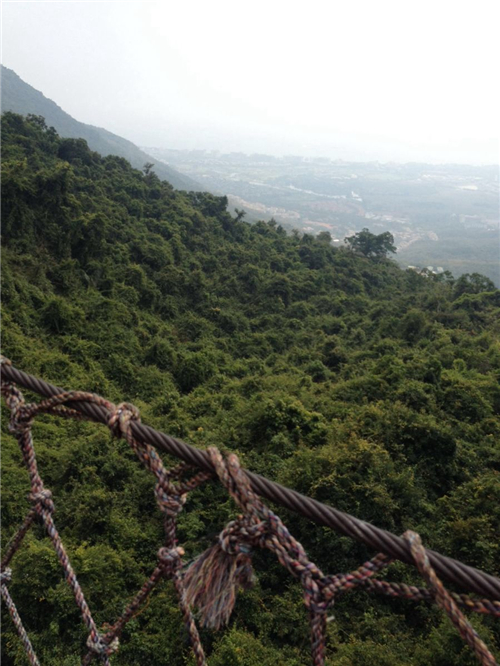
x=19 y=97
x=367 y=387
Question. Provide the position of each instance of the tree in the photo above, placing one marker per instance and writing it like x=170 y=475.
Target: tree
x=39 y=121
x=324 y=237
x=472 y=283
x=371 y=245
x=240 y=214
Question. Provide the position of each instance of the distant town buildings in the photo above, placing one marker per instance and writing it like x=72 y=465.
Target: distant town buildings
x=472 y=221
x=427 y=270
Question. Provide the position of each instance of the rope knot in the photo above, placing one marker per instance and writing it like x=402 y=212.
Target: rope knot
x=235 y=538
x=21 y=418
x=315 y=599
x=43 y=500
x=214 y=578
x=170 y=559
x=315 y=586
x=169 y=502
x=119 y=419
x=98 y=644
x=5 y=576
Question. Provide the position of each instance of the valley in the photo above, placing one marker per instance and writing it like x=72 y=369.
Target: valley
x=440 y=215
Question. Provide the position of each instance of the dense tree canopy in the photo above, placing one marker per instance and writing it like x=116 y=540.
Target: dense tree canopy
x=371 y=245
x=367 y=387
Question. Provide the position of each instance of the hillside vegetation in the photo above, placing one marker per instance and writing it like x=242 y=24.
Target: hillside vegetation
x=373 y=389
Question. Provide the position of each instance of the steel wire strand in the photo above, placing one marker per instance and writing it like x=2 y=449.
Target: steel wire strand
x=258 y=526
x=213 y=579
x=466 y=577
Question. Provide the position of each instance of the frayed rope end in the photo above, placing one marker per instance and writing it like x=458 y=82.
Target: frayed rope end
x=213 y=579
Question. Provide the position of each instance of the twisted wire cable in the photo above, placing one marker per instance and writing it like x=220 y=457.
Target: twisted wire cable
x=465 y=577
x=212 y=581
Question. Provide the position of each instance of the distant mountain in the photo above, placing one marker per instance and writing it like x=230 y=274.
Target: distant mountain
x=20 y=97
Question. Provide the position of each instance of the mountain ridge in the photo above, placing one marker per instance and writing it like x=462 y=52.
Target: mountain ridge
x=20 y=97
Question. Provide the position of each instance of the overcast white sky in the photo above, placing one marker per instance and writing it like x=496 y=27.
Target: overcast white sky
x=357 y=79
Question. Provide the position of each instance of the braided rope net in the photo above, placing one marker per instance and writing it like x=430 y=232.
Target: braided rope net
x=209 y=584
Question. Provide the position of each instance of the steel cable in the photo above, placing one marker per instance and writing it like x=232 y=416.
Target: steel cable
x=465 y=577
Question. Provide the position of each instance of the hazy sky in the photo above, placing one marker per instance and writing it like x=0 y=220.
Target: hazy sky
x=362 y=79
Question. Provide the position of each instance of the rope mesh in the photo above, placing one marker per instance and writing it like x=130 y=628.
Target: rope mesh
x=212 y=581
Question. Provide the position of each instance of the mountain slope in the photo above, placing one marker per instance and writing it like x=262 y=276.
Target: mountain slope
x=19 y=97
x=372 y=389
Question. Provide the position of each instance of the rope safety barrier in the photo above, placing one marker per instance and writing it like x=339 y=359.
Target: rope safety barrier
x=211 y=582
x=466 y=577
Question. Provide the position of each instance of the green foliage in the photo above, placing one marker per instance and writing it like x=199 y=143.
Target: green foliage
x=472 y=284
x=240 y=648
x=370 y=388
x=371 y=245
